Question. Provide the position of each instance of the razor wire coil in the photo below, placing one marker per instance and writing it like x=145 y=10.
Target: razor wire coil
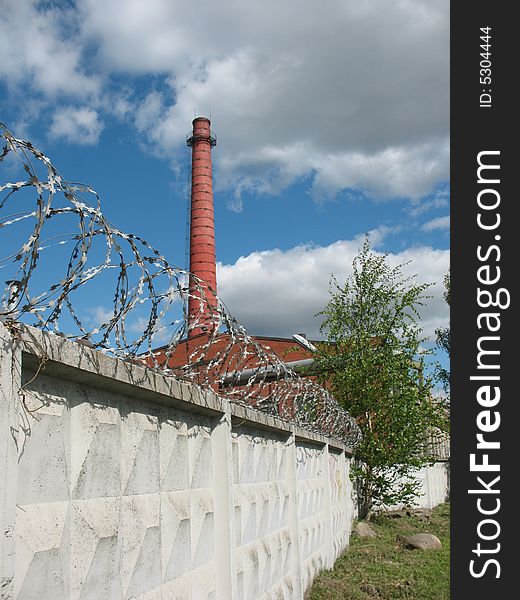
x=149 y=300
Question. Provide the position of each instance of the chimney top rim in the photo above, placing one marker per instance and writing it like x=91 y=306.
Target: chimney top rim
x=200 y=119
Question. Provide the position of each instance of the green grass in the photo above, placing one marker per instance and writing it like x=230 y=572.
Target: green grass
x=382 y=568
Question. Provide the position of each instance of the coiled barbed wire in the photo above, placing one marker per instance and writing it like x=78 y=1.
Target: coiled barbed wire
x=149 y=299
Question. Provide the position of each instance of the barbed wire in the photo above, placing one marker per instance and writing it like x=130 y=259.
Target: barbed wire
x=149 y=298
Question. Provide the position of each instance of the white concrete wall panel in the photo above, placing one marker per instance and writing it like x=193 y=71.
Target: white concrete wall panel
x=263 y=544
x=120 y=484
x=342 y=504
x=113 y=496
x=312 y=491
x=434 y=486
x=10 y=371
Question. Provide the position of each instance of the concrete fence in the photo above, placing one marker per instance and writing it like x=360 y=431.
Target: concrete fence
x=117 y=482
x=434 y=486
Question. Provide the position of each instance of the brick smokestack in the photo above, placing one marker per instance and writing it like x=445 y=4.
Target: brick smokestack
x=202 y=226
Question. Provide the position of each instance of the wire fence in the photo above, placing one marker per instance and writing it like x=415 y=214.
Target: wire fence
x=68 y=270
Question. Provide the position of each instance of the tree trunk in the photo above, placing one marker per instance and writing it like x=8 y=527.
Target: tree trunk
x=365 y=495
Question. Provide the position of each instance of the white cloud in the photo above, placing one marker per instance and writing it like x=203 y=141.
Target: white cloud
x=39 y=51
x=135 y=326
x=76 y=125
x=278 y=292
x=334 y=94
x=97 y=315
x=441 y=199
x=354 y=96
x=406 y=171
x=438 y=223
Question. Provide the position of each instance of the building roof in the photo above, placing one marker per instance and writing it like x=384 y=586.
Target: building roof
x=286 y=349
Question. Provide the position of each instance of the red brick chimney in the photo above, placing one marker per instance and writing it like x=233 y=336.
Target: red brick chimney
x=202 y=226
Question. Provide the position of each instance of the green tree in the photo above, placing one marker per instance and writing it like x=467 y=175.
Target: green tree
x=443 y=340
x=373 y=364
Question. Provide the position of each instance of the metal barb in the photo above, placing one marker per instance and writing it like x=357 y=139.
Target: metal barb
x=148 y=298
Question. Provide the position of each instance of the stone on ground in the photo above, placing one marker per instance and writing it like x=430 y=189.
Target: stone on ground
x=422 y=541
x=365 y=530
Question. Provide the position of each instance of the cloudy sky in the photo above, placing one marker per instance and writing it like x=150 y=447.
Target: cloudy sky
x=332 y=121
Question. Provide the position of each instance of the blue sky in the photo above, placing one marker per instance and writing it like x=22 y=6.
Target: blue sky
x=329 y=125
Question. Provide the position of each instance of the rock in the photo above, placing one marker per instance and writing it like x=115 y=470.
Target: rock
x=421 y=513
x=365 y=530
x=427 y=512
x=422 y=541
x=396 y=514
x=369 y=589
